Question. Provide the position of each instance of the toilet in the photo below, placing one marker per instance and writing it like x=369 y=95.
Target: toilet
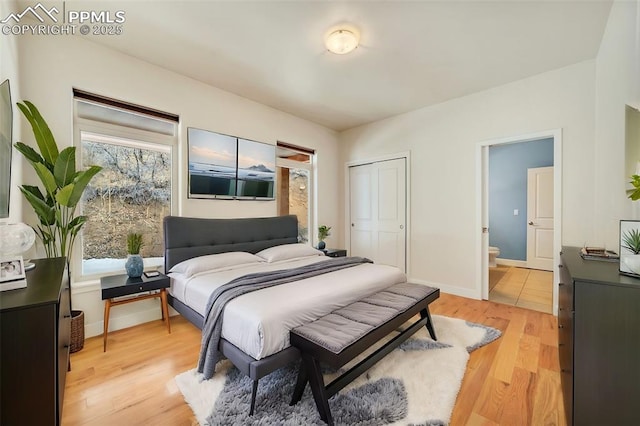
x=493 y=254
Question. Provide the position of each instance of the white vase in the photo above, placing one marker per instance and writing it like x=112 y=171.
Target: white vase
x=632 y=262
x=15 y=238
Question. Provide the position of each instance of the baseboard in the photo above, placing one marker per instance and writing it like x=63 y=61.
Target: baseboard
x=470 y=293
x=125 y=321
x=511 y=262
x=82 y=287
x=87 y=297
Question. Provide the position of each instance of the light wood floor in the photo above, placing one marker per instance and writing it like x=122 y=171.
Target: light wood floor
x=526 y=288
x=512 y=381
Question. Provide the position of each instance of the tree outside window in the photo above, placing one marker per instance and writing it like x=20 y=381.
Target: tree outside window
x=131 y=194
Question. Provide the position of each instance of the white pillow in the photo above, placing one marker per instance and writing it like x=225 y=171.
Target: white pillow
x=211 y=262
x=288 y=251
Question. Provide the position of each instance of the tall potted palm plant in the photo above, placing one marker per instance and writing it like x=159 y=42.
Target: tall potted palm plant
x=55 y=207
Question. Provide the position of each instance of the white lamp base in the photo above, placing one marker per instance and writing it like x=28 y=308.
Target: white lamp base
x=12 y=285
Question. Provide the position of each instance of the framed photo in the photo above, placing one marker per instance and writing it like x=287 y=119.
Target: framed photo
x=12 y=269
x=256 y=170
x=213 y=162
x=630 y=247
x=227 y=167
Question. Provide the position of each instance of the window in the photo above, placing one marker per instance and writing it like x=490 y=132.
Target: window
x=295 y=186
x=132 y=193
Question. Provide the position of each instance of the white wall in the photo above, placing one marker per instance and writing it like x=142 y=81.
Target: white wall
x=586 y=100
x=443 y=139
x=51 y=66
x=617 y=84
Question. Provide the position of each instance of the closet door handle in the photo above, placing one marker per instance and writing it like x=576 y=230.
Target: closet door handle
x=531 y=223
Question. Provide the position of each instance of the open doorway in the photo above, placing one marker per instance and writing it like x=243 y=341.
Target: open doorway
x=294 y=166
x=520 y=222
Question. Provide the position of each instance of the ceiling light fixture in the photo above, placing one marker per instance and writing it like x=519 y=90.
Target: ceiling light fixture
x=342 y=41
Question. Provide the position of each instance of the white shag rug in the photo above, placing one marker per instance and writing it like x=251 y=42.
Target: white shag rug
x=417 y=383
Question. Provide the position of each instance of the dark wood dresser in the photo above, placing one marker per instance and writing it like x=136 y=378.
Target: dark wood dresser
x=599 y=342
x=35 y=329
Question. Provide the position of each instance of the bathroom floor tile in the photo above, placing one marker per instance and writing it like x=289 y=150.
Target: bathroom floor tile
x=541 y=307
x=525 y=288
x=537 y=275
x=516 y=276
x=540 y=285
x=501 y=298
x=507 y=288
x=511 y=284
x=496 y=275
x=536 y=296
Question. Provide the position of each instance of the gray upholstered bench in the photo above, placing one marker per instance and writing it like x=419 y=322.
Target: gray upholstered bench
x=340 y=336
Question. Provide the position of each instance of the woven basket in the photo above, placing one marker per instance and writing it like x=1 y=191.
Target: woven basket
x=77 y=331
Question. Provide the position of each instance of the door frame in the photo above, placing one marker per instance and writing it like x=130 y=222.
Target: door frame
x=406 y=155
x=482 y=206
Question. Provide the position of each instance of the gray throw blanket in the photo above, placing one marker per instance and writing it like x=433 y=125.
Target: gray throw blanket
x=209 y=354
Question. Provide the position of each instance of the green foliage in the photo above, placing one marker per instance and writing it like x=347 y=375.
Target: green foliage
x=323 y=232
x=634 y=194
x=631 y=241
x=63 y=185
x=134 y=243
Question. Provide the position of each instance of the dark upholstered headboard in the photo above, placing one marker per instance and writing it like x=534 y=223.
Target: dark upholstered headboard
x=187 y=237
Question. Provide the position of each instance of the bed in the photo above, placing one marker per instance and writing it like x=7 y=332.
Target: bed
x=256 y=343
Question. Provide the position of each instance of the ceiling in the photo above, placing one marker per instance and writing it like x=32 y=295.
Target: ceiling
x=412 y=54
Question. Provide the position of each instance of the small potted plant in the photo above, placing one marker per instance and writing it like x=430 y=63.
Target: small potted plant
x=323 y=232
x=631 y=242
x=134 y=265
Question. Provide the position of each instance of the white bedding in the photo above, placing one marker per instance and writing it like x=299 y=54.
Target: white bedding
x=259 y=322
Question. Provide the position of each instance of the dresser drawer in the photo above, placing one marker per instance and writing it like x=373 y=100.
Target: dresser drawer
x=565 y=289
x=64 y=342
x=64 y=318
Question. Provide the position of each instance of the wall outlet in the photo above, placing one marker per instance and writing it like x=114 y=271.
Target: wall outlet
x=516 y=212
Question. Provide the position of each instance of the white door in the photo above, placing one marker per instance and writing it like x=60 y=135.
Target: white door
x=361 y=184
x=540 y=218
x=378 y=212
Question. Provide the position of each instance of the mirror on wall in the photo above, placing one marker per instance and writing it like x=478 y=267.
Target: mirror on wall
x=632 y=142
x=6 y=120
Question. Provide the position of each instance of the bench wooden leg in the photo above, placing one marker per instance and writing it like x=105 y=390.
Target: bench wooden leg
x=254 y=392
x=316 y=381
x=424 y=313
x=301 y=383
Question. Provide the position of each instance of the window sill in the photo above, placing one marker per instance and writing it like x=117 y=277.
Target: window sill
x=94 y=269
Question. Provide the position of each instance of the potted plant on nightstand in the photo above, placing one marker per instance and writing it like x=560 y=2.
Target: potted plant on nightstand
x=63 y=185
x=323 y=233
x=134 y=264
